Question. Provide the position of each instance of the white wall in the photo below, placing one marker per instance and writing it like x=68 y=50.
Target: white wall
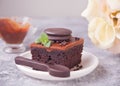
x=42 y=7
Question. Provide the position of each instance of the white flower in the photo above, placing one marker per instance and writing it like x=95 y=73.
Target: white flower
x=104 y=23
x=101 y=33
x=95 y=8
x=114 y=4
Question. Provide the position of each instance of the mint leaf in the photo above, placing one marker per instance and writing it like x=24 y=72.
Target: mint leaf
x=43 y=39
x=48 y=44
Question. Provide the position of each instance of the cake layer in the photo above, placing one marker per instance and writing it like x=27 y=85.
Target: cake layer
x=68 y=55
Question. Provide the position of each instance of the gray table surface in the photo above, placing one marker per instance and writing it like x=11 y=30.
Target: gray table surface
x=106 y=74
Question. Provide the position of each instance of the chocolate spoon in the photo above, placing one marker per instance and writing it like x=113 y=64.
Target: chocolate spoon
x=53 y=69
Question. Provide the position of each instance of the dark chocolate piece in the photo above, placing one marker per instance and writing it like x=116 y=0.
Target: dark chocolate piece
x=58 y=31
x=53 y=69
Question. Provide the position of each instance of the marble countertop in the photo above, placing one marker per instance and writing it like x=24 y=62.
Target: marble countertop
x=106 y=74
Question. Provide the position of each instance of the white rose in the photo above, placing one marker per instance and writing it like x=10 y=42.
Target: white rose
x=101 y=33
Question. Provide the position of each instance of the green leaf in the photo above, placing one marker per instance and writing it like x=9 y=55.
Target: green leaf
x=48 y=44
x=44 y=40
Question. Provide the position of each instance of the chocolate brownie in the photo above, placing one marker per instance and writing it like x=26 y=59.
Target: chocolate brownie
x=65 y=49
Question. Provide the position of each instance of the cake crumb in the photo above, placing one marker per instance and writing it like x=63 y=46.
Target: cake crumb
x=77 y=67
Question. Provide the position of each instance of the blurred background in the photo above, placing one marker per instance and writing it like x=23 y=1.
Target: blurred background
x=38 y=8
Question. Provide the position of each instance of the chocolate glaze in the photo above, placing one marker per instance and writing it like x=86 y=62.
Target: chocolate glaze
x=53 y=69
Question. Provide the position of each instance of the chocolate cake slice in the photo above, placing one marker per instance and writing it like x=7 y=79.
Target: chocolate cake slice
x=64 y=49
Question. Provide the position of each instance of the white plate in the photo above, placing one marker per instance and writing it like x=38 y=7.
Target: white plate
x=89 y=63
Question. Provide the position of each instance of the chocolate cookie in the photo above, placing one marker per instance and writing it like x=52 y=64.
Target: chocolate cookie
x=58 y=33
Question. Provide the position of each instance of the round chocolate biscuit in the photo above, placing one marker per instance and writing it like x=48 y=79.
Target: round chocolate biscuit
x=58 y=32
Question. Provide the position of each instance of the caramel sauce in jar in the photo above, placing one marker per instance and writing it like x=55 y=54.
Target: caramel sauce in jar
x=13 y=32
